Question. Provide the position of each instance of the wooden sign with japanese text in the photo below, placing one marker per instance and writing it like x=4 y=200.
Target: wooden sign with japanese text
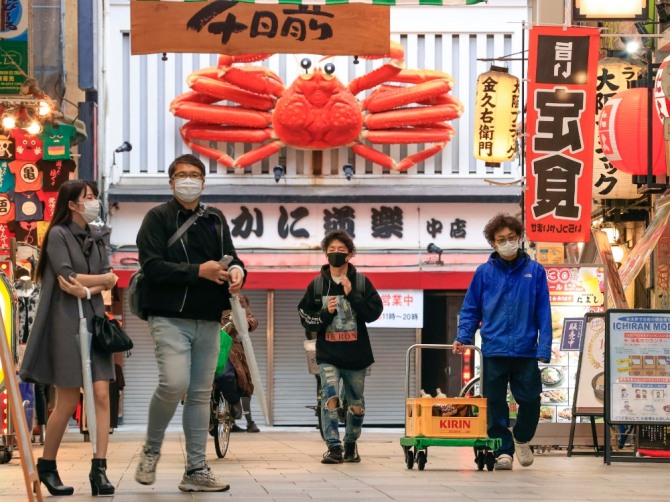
x=234 y=28
x=562 y=73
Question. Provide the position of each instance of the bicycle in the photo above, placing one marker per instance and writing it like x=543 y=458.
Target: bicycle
x=222 y=419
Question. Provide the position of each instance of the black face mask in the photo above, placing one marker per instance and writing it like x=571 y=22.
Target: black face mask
x=337 y=259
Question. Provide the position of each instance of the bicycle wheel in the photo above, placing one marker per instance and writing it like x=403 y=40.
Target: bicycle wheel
x=223 y=426
x=471 y=388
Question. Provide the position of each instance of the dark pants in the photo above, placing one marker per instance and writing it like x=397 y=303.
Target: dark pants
x=226 y=383
x=523 y=376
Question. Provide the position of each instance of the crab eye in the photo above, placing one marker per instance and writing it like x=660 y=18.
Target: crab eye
x=306 y=63
x=329 y=68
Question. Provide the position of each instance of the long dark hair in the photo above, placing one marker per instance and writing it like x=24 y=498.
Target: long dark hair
x=69 y=191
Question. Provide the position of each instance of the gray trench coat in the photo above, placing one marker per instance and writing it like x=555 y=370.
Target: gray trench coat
x=52 y=353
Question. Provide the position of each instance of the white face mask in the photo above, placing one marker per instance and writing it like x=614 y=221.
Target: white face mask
x=91 y=210
x=187 y=189
x=508 y=249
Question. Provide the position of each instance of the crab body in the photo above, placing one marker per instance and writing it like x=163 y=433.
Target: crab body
x=317 y=111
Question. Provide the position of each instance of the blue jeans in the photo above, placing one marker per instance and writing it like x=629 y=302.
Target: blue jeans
x=186 y=354
x=523 y=376
x=353 y=382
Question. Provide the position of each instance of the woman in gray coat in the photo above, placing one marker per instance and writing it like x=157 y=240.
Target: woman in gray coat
x=73 y=264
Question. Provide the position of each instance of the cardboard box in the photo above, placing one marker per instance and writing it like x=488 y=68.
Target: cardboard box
x=550 y=253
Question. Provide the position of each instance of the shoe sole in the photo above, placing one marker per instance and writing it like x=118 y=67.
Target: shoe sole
x=352 y=460
x=332 y=461
x=199 y=488
x=146 y=483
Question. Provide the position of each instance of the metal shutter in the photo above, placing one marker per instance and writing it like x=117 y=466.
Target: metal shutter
x=258 y=305
x=141 y=372
x=295 y=388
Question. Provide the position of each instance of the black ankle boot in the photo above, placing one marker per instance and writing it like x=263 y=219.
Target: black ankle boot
x=100 y=485
x=46 y=470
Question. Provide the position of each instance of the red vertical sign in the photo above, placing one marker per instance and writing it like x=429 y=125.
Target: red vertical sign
x=560 y=110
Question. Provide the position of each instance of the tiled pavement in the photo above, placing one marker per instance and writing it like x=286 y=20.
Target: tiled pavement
x=283 y=464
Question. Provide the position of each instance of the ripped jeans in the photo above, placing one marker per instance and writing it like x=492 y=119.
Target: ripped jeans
x=353 y=382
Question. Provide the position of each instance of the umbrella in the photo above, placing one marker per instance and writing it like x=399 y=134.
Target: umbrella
x=84 y=343
x=239 y=316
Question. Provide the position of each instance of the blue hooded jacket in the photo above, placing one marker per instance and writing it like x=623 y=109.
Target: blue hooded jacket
x=512 y=304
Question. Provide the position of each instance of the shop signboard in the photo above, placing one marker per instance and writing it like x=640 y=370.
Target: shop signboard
x=573 y=291
x=637 y=357
x=562 y=73
x=14 y=40
x=403 y=308
x=236 y=28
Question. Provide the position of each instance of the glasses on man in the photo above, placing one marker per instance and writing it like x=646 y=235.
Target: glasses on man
x=183 y=176
x=511 y=239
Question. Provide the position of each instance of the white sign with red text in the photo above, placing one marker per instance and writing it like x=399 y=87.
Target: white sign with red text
x=403 y=308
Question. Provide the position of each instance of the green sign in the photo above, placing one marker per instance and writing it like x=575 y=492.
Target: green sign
x=13 y=65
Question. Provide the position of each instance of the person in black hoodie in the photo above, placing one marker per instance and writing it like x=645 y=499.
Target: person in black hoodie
x=185 y=288
x=336 y=305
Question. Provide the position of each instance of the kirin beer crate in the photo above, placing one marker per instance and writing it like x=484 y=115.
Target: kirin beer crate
x=455 y=417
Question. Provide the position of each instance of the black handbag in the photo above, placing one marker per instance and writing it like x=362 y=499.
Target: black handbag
x=109 y=336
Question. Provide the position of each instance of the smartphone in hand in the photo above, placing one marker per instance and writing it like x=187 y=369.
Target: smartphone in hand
x=226 y=259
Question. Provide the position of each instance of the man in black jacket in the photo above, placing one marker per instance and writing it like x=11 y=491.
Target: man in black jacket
x=336 y=306
x=185 y=288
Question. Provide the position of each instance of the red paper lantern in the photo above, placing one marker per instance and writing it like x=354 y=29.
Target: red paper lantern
x=622 y=130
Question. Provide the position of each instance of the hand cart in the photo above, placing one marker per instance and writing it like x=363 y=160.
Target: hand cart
x=450 y=421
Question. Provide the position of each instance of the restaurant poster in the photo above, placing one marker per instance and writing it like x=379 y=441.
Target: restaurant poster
x=637 y=357
x=590 y=385
x=574 y=290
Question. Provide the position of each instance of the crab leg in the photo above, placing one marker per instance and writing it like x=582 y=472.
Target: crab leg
x=230 y=115
x=192 y=97
x=209 y=132
x=384 y=160
x=389 y=99
x=382 y=74
x=412 y=116
x=254 y=78
x=258 y=154
x=225 y=91
x=407 y=136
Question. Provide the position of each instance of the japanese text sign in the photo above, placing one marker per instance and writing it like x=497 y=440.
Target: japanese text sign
x=403 y=308
x=235 y=28
x=14 y=36
x=562 y=71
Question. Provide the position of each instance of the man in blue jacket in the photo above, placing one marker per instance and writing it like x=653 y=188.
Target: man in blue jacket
x=508 y=300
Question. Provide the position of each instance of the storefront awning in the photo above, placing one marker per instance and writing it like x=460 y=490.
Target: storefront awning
x=391 y=270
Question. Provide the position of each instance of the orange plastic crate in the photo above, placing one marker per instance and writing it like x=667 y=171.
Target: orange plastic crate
x=419 y=419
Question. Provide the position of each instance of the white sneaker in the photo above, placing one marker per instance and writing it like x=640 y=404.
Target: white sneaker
x=146 y=468
x=523 y=453
x=202 y=480
x=504 y=463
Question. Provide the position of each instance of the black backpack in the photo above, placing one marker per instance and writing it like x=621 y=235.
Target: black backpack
x=318 y=286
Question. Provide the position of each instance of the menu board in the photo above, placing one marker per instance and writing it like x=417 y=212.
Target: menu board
x=590 y=385
x=637 y=357
x=574 y=290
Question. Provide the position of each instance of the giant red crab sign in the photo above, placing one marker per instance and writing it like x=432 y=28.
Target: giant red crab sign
x=317 y=111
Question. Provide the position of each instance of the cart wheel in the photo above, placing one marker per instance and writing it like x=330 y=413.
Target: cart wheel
x=409 y=458
x=5 y=456
x=421 y=460
x=480 y=459
x=490 y=460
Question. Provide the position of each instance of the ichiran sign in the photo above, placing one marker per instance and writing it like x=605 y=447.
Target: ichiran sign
x=222 y=26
